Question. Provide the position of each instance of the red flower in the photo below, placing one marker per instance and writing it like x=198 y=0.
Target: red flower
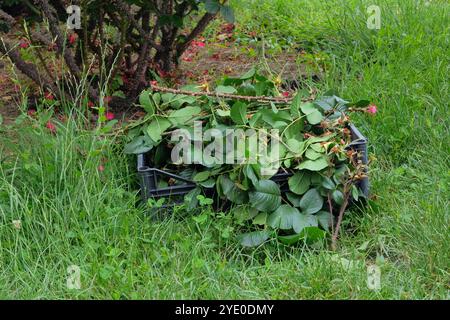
x=31 y=112
x=50 y=126
x=199 y=44
x=49 y=96
x=24 y=43
x=187 y=59
x=153 y=83
x=372 y=109
x=90 y=104
x=109 y=116
x=101 y=168
x=285 y=94
x=72 y=38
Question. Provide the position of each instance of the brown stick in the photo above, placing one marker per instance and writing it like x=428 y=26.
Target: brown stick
x=61 y=49
x=341 y=215
x=278 y=100
x=330 y=208
x=28 y=69
x=199 y=28
x=125 y=9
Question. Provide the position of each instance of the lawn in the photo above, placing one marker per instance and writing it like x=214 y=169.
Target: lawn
x=58 y=209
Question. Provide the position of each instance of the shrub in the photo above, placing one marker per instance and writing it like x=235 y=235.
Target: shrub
x=119 y=42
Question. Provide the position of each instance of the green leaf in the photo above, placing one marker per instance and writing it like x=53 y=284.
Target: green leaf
x=299 y=183
x=308 y=108
x=338 y=197
x=244 y=212
x=312 y=234
x=317 y=147
x=226 y=89
x=295 y=146
x=295 y=105
x=1 y=119
x=249 y=74
x=250 y=174
x=303 y=221
x=227 y=13
x=328 y=183
x=212 y=6
x=290 y=239
x=324 y=219
x=311 y=202
x=231 y=191
x=191 y=199
x=284 y=217
x=208 y=183
x=312 y=155
x=254 y=239
x=158 y=126
x=266 y=197
x=183 y=115
x=294 y=131
x=239 y=112
x=294 y=199
x=139 y=145
x=314 y=165
x=201 y=176
x=260 y=219
x=315 y=117
x=223 y=113
x=146 y=102
x=355 y=192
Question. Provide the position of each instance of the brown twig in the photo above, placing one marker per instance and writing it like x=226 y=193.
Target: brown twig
x=341 y=215
x=278 y=100
x=330 y=208
x=26 y=68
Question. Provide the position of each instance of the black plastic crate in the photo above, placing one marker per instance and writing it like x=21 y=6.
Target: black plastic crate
x=149 y=176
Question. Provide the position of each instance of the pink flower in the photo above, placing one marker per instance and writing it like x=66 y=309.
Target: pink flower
x=187 y=59
x=153 y=83
x=90 y=104
x=285 y=94
x=50 y=126
x=372 y=109
x=31 y=112
x=101 y=168
x=109 y=116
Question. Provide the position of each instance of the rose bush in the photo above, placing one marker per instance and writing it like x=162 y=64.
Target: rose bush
x=121 y=46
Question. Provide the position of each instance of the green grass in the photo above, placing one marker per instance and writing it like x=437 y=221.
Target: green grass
x=71 y=214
